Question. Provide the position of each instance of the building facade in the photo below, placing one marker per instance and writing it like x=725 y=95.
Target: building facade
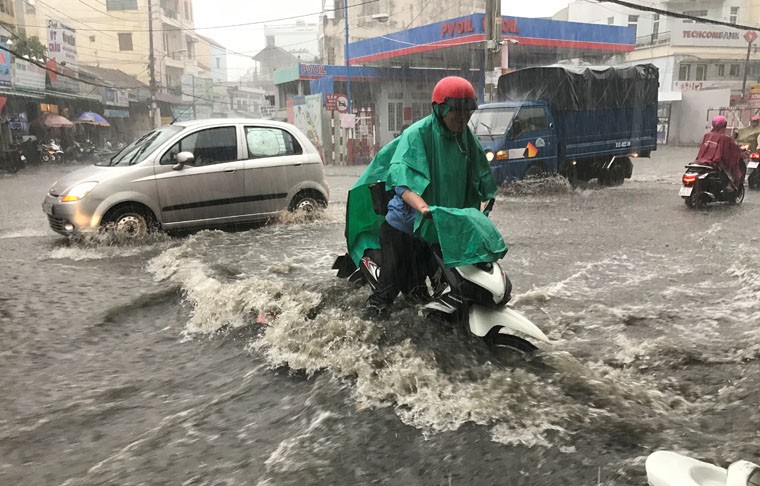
x=701 y=66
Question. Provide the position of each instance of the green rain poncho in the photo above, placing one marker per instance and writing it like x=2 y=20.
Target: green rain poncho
x=453 y=177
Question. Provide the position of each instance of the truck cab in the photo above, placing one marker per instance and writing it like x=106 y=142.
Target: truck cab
x=520 y=139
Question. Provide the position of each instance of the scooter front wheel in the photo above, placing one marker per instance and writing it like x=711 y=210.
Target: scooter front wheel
x=498 y=340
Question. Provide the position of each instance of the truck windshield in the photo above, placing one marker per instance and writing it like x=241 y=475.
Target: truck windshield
x=137 y=151
x=491 y=122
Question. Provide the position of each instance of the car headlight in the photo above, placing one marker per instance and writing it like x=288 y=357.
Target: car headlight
x=78 y=191
x=489 y=156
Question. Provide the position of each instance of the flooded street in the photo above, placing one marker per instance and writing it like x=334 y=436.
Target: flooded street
x=147 y=362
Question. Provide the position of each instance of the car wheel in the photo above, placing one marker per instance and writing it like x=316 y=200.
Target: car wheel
x=130 y=221
x=307 y=201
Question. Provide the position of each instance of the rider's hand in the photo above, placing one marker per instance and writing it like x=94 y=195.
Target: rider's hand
x=427 y=214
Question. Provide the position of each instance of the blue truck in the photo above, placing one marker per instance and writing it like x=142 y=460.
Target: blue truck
x=583 y=123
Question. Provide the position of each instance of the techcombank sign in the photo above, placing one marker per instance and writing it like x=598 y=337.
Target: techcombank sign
x=703 y=35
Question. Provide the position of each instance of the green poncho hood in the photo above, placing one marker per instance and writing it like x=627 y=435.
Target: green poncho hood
x=451 y=174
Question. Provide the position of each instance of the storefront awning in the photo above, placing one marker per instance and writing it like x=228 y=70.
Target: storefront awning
x=22 y=94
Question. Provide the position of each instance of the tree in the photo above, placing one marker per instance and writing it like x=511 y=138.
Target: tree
x=30 y=47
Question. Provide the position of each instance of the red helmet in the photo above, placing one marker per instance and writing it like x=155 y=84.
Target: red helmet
x=755 y=118
x=456 y=92
x=719 y=121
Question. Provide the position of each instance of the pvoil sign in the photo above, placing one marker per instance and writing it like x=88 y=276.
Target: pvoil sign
x=313 y=70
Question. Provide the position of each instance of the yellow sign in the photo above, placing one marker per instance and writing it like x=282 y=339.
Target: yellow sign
x=754 y=88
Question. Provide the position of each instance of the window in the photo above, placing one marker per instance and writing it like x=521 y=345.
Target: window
x=721 y=69
x=121 y=4
x=531 y=119
x=395 y=116
x=655 y=26
x=683 y=72
x=188 y=15
x=218 y=63
x=701 y=72
x=734 y=70
x=734 y=15
x=125 y=42
x=633 y=20
x=420 y=111
x=190 y=48
x=610 y=20
x=270 y=142
x=694 y=13
x=92 y=38
x=212 y=146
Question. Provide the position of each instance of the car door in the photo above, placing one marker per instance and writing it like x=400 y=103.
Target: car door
x=274 y=162
x=532 y=140
x=211 y=188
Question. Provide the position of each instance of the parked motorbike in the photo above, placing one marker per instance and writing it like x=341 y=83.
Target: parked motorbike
x=51 y=152
x=667 y=468
x=474 y=296
x=12 y=160
x=705 y=184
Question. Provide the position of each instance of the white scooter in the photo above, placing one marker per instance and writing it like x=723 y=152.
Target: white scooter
x=474 y=296
x=667 y=468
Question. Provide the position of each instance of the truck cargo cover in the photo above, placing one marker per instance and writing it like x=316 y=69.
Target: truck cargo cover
x=582 y=88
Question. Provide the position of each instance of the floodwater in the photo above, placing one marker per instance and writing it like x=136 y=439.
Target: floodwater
x=146 y=362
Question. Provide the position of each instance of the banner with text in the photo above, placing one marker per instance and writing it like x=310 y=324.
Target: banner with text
x=62 y=56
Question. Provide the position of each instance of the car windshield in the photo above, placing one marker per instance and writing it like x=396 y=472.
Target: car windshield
x=491 y=122
x=137 y=151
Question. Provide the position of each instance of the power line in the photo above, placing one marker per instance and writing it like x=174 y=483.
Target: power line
x=244 y=24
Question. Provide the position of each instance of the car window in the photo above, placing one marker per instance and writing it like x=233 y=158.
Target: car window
x=531 y=119
x=140 y=149
x=270 y=142
x=211 y=146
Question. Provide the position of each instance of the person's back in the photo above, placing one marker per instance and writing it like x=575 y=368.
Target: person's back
x=720 y=150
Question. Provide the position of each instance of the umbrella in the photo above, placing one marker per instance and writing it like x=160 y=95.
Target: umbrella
x=52 y=120
x=92 y=118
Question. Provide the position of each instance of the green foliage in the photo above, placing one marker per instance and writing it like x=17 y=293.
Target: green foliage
x=30 y=46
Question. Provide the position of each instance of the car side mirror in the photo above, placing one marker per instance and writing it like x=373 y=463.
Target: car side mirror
x=183 y=158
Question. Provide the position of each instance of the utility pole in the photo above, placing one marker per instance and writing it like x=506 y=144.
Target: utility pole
x=347 y=57
x=750 y=36
x=492 y=36
x=155 y=110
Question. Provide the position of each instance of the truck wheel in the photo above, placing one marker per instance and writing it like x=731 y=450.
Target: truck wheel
x=617 y=175
x=535 y=171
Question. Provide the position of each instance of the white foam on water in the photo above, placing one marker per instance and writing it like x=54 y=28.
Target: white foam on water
x=217 y=304
x=305 y=448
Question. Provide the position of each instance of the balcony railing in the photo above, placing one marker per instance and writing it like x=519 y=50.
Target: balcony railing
x=661 y=39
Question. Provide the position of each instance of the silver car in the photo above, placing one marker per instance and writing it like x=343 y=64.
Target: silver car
x=189 y=175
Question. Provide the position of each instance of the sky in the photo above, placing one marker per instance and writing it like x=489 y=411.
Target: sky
x=249 y=39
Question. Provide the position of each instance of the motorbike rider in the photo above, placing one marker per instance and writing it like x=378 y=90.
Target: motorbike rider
x=749 y=135
x=720 y=150
x=437 y=161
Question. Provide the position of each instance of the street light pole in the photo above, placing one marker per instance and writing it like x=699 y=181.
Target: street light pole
x=347 y=57
x=156 y=111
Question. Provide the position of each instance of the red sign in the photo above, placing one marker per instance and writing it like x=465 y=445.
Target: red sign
x=754 y=97
x=313 y=69
x=336 y=102
x=457 y=28
x=750 y=36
